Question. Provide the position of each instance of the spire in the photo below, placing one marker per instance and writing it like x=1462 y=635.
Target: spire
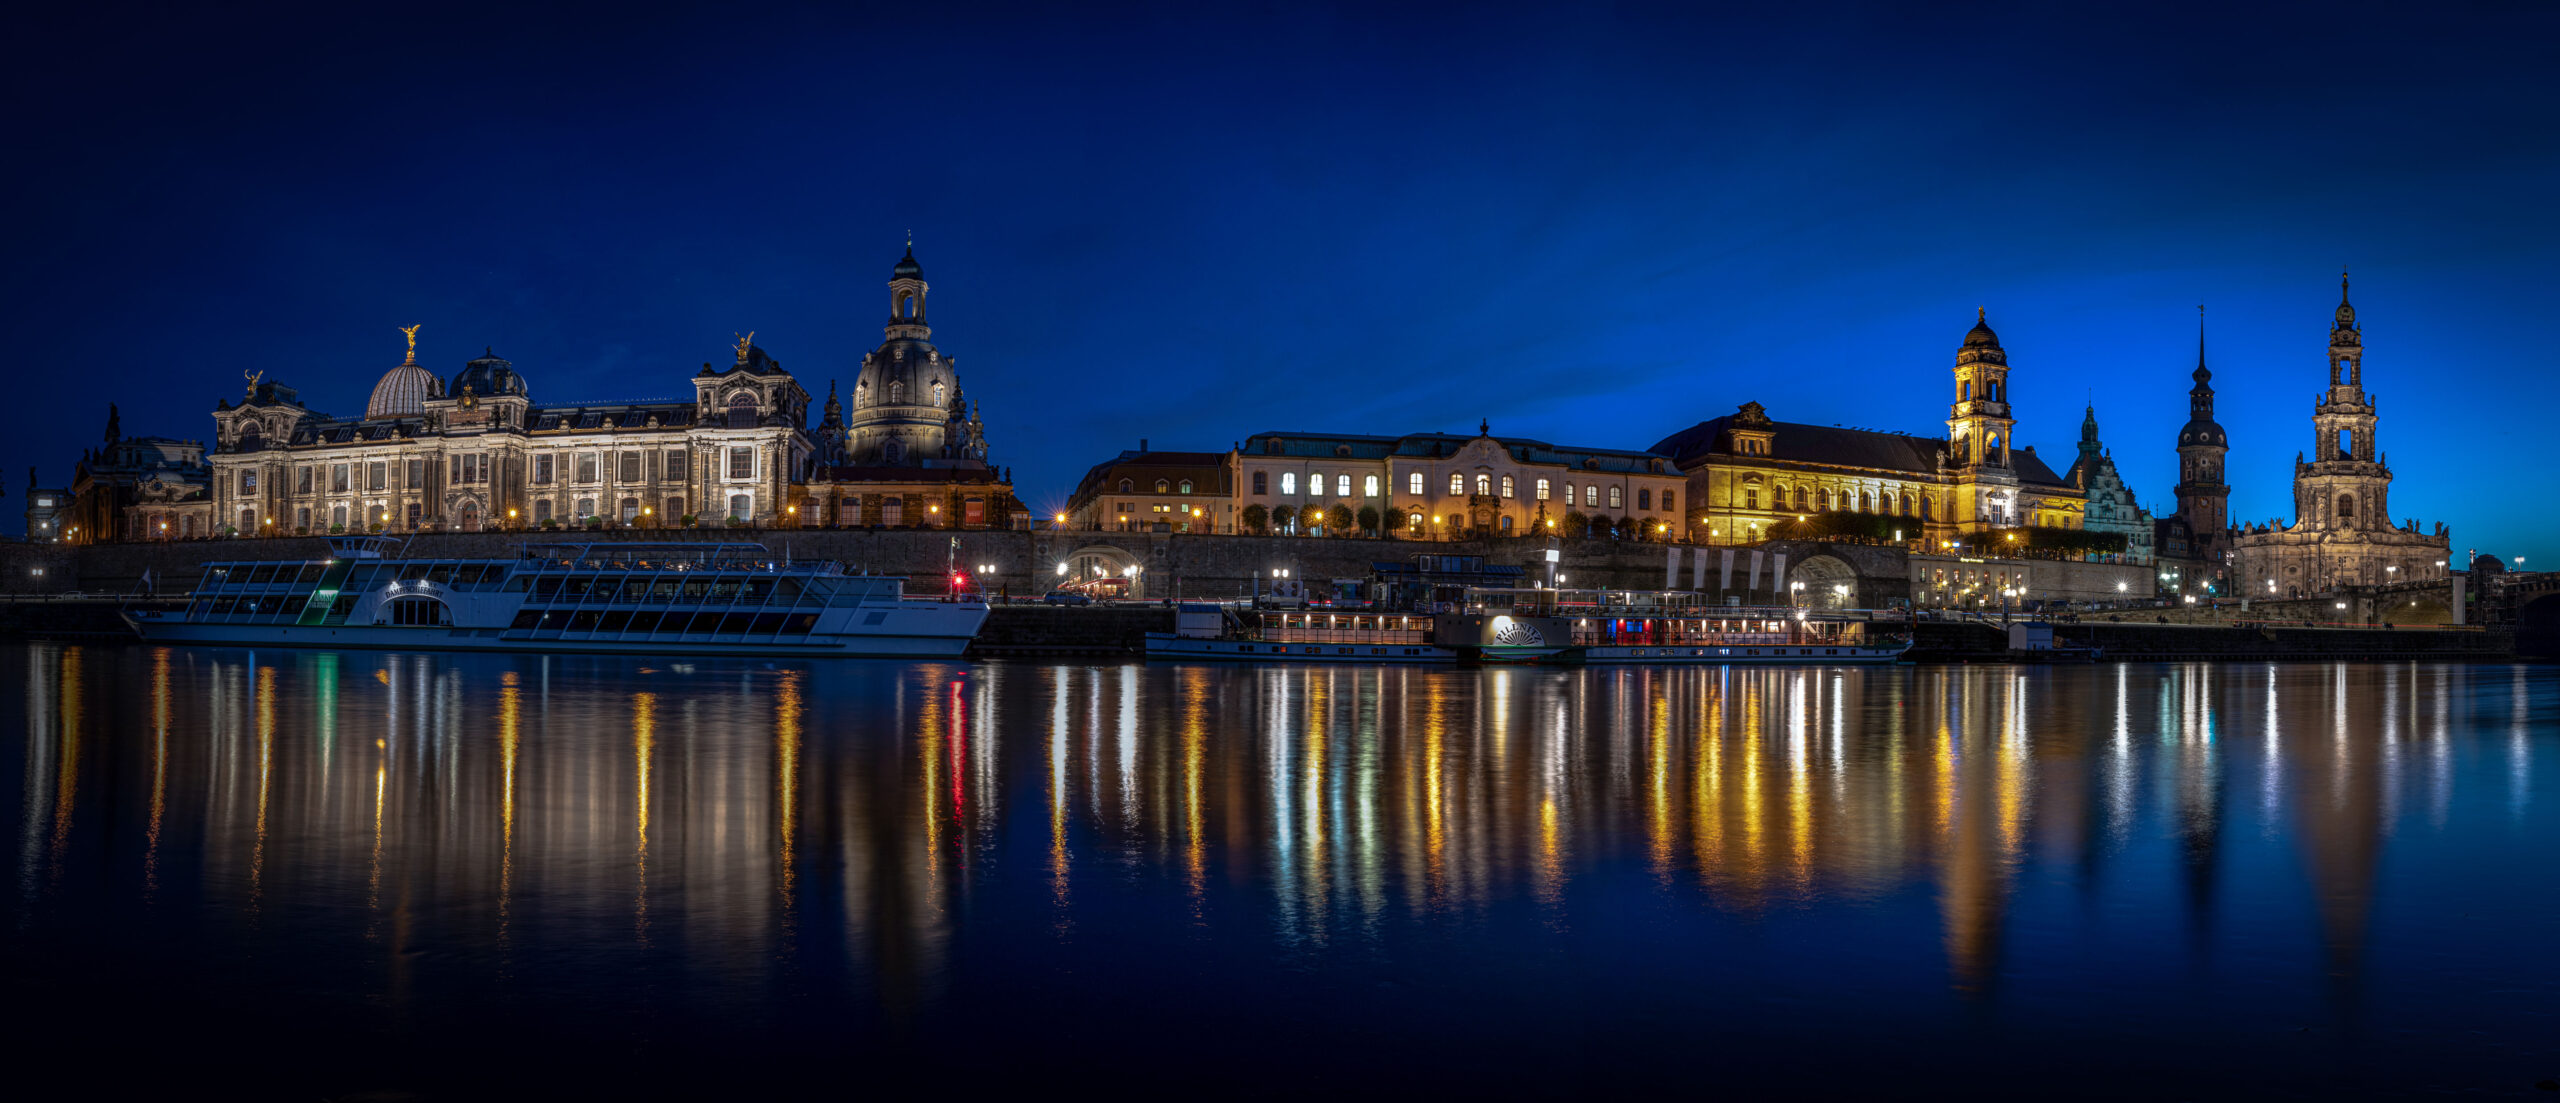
x=2203 y=375
x=2346 y=323
x=2089 y=425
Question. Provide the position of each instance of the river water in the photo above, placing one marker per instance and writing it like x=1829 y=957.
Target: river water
x=329 y=874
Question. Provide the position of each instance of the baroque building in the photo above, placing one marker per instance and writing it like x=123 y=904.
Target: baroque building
x=1137 y=490
x=913 y=450
x=2110 y=505
x=1749 y=474
x=2342 y=533
x=136 y=488
x=479 y=452
x=1444 y=486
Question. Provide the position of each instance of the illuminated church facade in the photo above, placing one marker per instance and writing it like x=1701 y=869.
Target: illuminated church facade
x=2342 y=533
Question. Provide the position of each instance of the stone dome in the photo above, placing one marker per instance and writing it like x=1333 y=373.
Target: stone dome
x=907 y=268
x=488 y=376
x=1980 y=336
x=907 y=369
x=403 y=392
x=2203 y=431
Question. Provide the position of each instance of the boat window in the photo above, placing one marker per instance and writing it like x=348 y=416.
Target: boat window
x=345 y=604
x=546 y=587
x=418 y=612
x=440 y=573
x=804 y=623
x=635 y=588
x=584 y=620
x=645 y=621
x=310 y=572
x=526 y=619
x=663 y=590
x=413 y=571
x=262 y=574
x=733 y=624
x=615 y=620
x=767 y=624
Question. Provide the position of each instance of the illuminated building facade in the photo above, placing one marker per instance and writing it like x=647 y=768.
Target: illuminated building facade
x=478 y=452
x=2342 y=533
x=1749 y=474
x=1136 y=491
x=1440 y=485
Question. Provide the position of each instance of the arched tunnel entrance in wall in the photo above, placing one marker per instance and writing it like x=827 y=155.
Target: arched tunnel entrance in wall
x=1823 y=582
x=1089 y=565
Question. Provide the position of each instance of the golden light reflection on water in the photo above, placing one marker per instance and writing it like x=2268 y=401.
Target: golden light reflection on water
x=710 y=802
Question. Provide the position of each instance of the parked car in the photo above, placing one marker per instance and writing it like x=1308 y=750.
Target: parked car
x=1067 y=597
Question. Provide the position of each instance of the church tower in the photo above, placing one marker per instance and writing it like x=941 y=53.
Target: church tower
x=2344 y=486
x=906 y=398
x=2203 y=499
x=1978 y=424
x=1978 y=428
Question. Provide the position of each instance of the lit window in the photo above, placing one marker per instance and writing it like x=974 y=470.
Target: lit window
x=1457 y=483
x=1617 y=497
x=1591 y=495
x=1162 y=486
x=1315 y=484
x=1342 y=486
x=1542 y=490
x=1413 y=483
x=1369 y=486
x=1186 y=486
x=1484 y=484
x=1288 y=483
x=1506 y=486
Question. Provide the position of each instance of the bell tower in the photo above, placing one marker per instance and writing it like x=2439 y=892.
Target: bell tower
x=2344 y=485
x=2203 y=499
x=906 y=299
x=1978 y=425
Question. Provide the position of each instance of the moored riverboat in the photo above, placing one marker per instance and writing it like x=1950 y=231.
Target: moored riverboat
x=1679 y=627
x=616 y=598
x=1205 y=631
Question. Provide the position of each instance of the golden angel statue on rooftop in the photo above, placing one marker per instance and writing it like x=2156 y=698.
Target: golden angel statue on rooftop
x=412 y=333
x=745 y=343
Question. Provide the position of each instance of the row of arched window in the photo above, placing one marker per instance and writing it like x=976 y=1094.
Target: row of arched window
x=1828 y=500
x=1164 y=486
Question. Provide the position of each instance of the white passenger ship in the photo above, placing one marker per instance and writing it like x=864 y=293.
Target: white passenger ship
x=626 y=598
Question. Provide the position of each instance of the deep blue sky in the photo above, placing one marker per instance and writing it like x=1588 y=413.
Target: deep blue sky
x=1192 y=223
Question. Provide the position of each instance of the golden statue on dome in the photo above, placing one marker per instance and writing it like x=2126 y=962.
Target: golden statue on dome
x=744 y=343
x=412 y=333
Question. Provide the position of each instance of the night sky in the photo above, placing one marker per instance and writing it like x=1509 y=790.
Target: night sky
x=1196 y=222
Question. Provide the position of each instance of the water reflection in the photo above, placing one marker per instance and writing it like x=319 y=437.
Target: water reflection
x=750 y=828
